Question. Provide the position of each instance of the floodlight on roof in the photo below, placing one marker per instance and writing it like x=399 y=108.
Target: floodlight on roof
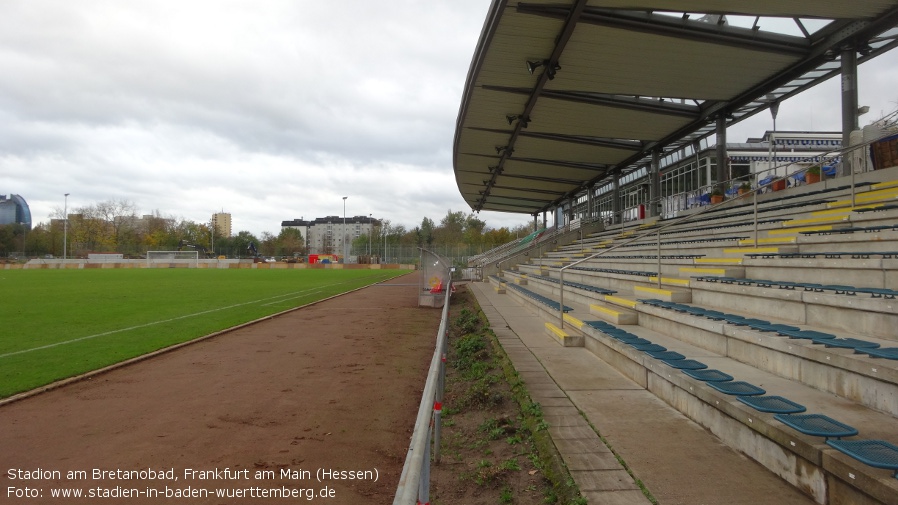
x=533 y=65
x=512 y=117
x=550 y=70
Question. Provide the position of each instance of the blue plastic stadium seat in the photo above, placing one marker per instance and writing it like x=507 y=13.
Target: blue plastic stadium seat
x=778 y=328
x=887 y=353
x=665 y=355
x=772 y=404
x=841 y=290
x=685 y=364
x=817 y=425
x=876 y=453
x=737 y=388
x=751 y=322
x=879 y=292
x=846 y=343
x=650 y=347
x=808 y=334
x=708 y=375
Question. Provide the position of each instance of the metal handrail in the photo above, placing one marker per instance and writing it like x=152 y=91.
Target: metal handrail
x=414 y=482
x=683 y=219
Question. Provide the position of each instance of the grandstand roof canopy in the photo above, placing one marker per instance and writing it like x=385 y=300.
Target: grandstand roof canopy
x=563 y=94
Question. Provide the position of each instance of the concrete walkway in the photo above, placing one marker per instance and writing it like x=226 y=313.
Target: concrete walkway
x=582 y=398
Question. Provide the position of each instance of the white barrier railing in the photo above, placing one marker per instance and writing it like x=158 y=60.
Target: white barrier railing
x=414 y=483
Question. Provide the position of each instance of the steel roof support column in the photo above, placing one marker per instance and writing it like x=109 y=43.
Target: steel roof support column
x=590 y=202
x=655 y=184
x=615 y=201
x=721 y=150
x=535 y=223
x=849 y=104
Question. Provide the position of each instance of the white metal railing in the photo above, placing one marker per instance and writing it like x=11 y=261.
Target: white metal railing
x=683 y=219
x=414 y=482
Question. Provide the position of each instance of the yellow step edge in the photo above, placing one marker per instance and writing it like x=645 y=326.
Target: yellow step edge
x=605 y=310
x=656 y=291
x=814 y=220
x=671 y=280
x=621 y=301
x=884 y=185
x=791 y=231
x=752 y=250
x=556 y=330
x=717 y=261
x=716 y=271
x=843 y=210
x=777 y=240
x=870 y=196
x=574 y=321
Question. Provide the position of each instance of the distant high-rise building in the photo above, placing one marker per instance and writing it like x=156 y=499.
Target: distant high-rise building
x=222 y=223
x=14 y=210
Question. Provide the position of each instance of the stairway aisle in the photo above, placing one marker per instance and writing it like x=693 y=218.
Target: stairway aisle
x=678 y=461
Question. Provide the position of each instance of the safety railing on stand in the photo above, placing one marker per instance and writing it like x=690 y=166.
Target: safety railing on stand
x=761 y=186
x=414 y=483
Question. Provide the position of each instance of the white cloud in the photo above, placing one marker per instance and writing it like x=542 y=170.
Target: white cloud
x=270 y=111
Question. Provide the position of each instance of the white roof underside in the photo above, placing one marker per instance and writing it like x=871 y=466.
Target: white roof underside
x=634 y=76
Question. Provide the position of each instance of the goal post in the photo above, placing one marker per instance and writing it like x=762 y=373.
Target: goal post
x=157 y=257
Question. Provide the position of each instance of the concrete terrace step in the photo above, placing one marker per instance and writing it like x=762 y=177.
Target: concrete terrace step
x=614 y=314
x=668 y=295
x=768 y=241
x=803 y=460
x=761 y=250
x=817 y=228
x=880 y=195
x=810 y=221
x=563 y=337
x=719 y=271
x=717 y=261
x=671 y=281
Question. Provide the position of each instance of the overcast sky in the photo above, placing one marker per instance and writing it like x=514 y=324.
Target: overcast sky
x=269 y=110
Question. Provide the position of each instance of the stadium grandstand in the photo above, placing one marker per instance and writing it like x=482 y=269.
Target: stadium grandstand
x=698 y=301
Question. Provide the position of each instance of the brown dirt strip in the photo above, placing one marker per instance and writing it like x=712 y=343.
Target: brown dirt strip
x=334 y=386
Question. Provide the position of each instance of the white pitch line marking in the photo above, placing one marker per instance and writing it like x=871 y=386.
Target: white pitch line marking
x=295 y=294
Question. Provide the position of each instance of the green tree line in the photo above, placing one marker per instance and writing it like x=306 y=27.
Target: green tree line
x=115 y=226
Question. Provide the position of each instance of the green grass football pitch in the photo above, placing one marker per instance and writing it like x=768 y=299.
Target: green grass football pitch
x=56 y=324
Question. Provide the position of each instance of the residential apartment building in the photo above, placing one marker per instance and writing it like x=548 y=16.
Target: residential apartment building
x=329 y=235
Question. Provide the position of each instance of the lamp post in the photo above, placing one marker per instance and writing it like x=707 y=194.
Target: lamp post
x=344 y=228
x=370 y=234
x=65 y=227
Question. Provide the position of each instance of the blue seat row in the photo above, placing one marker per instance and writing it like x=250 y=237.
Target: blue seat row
x=876 y=453
x=838 y=289
x=852 y=229
x=825 y=254
x=616 y=271
x=587 y=287
x=826 y=339
x=538 y=297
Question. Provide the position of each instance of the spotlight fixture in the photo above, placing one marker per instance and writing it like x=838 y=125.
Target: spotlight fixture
x=523 y=119
x=502 y=149
x=550 y=70
x=865 y=49
x=533 y=65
